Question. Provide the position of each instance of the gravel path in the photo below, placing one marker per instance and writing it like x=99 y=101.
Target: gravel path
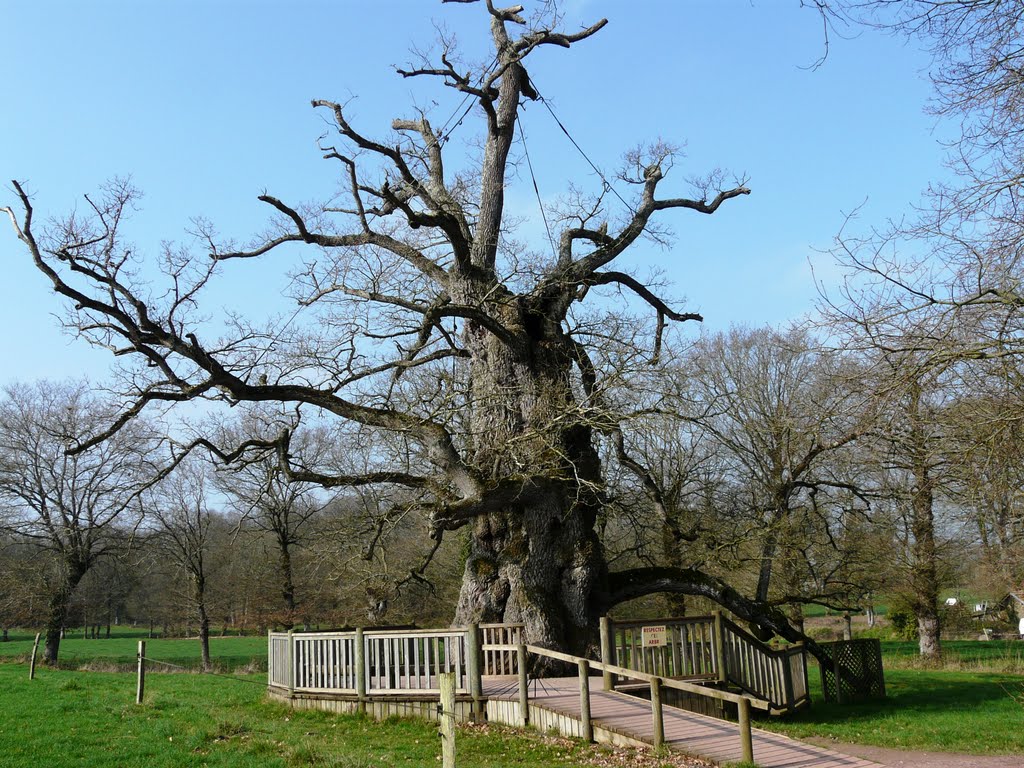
x=897 y=758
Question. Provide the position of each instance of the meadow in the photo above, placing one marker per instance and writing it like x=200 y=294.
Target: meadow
x=974 y=703
x=119 y=651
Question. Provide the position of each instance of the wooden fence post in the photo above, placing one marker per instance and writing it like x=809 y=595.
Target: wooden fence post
x=585 y=721
x=447 y=717
x=32 y=661
x=524 y=683
x=474 y=659
x=656 y=713
x=746 y=740
x=360 y=669
x=270 y=655
x=847 y=626
x=607 y=652
x=140 y=686
x=719 y=646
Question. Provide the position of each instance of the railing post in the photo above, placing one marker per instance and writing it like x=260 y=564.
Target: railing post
x=746 y=740
x=270 y=656
x=360 y=650
x=289 y=669
x=719 y=647
x=607 y=652
x=140 y=685
x=585 y=721
x=474 y=658
x=787 y=678
x=656 y=713
x=803 y=667
x=524 y=682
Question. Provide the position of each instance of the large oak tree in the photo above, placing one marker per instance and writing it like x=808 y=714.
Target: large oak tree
x=467 y=371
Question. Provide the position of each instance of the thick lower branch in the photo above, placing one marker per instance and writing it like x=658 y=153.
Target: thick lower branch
x=639 y=582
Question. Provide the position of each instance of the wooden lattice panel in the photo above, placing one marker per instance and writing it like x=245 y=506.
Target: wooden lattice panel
x=854 y=671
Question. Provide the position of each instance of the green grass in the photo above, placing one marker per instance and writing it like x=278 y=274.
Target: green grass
x=229 y=653
x=940 y=710
x=973 y=704
x=962 y=655
x=90 y=720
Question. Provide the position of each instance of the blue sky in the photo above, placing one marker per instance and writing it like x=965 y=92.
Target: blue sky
x=206 y=105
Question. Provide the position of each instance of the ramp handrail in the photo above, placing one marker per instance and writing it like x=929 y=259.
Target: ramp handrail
x=779 y=676
x=585 y=666
x=710 y=648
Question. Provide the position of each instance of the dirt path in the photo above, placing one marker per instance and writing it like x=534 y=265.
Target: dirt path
x=898 y=758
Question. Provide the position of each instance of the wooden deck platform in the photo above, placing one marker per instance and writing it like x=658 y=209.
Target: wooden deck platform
x=619 y=718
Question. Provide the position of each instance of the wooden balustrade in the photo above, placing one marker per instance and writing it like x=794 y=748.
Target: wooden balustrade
x=277 y=660
x=689 y=650
x=367 y=662
x=709 y=648
x=777 y=676
x=696 y=649
x=495 y=639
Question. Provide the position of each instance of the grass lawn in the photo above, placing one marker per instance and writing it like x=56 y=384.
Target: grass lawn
x=940 y=710
x=89 y=720
x=974 y=704
x=963 y=655
x=228 y=653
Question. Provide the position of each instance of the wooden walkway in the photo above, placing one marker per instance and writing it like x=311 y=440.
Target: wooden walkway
x=620 y=718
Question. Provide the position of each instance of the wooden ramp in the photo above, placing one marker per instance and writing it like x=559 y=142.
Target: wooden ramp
x=623 y=719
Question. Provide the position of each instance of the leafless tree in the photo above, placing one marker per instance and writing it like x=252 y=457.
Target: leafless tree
x=916 y=324
x=269 y=502
x=987 y=478
x=22 y=593
x=182 y=520
x=467 y=367
x=73 y=504
x=781 y=415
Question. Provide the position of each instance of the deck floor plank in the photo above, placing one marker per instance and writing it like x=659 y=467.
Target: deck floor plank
x=687 y=732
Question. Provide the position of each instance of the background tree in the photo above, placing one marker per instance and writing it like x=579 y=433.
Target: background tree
x=21 y=585
x=269 y=503
x=183 y=523
x=74 y=504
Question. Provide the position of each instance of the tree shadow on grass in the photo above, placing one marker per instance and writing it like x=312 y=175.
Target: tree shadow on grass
x=923 y=692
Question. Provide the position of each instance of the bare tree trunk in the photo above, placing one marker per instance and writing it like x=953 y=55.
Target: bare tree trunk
x=675 y=602
x=924 y=580
x=924 y=577
x=59 y=607
x=199 y=598
x=287 y=581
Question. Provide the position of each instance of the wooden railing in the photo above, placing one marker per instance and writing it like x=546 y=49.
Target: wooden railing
x=388 y=662
x=689 y=650
x=496 y=640
x=365 y=662
x=708 y=648
x=777 y=676
x=656 y=684
x=411 y=661
x=278 y=660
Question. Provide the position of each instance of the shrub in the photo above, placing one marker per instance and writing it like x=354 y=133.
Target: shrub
x=903 y=621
